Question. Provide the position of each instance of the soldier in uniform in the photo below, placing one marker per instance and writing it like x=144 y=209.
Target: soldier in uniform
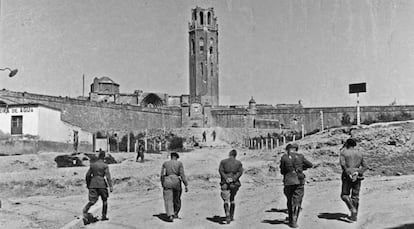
x=140 y=152
x=230 y=172
x=213 y=134
x=204 y=136
x=172 y=173
x=353 y=168
x=292 y=165
x=98 y=179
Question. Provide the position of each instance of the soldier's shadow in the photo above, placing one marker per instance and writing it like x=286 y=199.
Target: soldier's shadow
x=275 y=221
x=278 y=210
x=217 y=219
x=163 y=217
x=334 y=216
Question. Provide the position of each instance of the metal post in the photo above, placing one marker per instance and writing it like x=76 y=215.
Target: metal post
x=128 y=143
x=321 y=120
x=271 y=143
x=358 y=111
x=284 y=139
x=117 y=142
x=294 y=138
x=146 y=139
x=303 y=131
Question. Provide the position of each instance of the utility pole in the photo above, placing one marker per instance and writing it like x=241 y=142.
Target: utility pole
x=83 y=85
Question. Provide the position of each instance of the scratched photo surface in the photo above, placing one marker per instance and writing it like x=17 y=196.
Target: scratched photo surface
x=199 y=114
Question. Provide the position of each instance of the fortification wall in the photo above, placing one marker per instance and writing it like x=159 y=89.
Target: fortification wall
x=97 y=116
x=309 y=117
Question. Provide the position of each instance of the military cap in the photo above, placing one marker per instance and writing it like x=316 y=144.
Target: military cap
x=292 y=145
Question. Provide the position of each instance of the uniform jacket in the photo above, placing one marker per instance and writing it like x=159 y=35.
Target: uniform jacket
x=292 y=167
x=230 y=167
x=351 y=161
x=95 y=177
x=173 y=168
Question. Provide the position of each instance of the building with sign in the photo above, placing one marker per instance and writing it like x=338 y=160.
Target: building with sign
x=41 y=121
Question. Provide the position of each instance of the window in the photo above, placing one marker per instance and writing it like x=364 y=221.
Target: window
x=201 y=18
x=211 y=69
x=192 y=46
x=201 y=44
x=16 y=125
x=211 y=45
x=209 y=18
x=201 y=69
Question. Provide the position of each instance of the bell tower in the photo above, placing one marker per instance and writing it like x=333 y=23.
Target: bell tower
x=203 y=57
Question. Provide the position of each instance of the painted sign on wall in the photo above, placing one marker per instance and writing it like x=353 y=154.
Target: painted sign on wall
x=14 y=110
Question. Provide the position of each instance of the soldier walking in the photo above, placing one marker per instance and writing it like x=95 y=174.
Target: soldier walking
x=140 y=152
x=214 y=135
x=98 y=178
x=292 y=165
x=204 y=136
x=230 y=172
x=172 y=173
x=353 y=168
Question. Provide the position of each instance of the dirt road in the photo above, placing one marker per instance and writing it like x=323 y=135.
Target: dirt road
x=386 y=202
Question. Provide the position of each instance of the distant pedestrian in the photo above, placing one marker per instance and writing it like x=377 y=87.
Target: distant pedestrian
x=292 y=165
x=140 y=152
x=230 y=171
x=204 y=136
x=172 y=174
x=214 y=135
x=353 y=168
x=98 y=178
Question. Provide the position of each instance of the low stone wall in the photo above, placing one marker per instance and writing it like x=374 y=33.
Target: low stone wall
x=96 y=116
x=310 y=118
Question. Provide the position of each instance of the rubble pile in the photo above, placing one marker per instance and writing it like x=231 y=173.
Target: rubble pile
x=388 y=148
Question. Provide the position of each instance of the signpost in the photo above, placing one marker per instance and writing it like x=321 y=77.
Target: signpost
x=358 y=88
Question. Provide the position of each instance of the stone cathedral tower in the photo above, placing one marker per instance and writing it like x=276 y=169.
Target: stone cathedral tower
x=203 y=57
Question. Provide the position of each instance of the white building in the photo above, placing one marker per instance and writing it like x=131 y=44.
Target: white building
x=41 y=121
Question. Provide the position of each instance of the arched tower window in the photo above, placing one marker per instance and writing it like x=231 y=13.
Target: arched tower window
x=201 y=18
x=201 y=44
x=211 y=46
x=194 y=15
x=192 y=46
x=201 y=68
x=209 y=18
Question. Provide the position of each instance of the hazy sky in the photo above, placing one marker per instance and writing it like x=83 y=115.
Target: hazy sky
x=278 y=51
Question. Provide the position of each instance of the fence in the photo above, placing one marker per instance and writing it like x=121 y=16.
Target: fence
x=269 y=143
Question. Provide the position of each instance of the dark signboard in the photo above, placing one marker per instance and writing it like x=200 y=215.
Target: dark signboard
x=357 y=88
